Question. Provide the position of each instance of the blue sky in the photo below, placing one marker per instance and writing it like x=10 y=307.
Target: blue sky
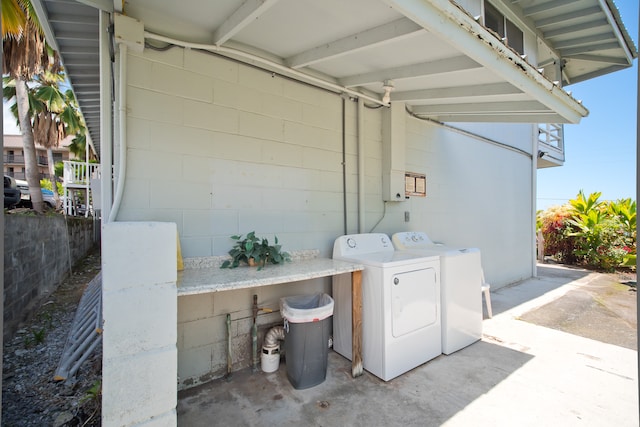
x=600 y=152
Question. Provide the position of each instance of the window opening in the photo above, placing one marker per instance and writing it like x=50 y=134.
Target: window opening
x=507 y=30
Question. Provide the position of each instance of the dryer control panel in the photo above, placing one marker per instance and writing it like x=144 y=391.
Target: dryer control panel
x=411 y=239
x=356 y=244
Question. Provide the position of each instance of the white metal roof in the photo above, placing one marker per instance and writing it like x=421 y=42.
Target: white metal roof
x=441 y=60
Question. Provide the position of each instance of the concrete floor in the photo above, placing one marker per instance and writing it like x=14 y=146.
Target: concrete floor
x=520 y=373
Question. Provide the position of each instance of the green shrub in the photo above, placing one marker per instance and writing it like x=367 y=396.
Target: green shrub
x=588 y=232
x=556 y=231
x=600 y=244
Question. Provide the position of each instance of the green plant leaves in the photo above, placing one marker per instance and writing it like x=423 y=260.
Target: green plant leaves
x=588 y=232
x=257 y=249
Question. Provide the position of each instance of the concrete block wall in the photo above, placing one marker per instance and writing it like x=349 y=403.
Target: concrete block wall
x=139 y=357
x=233 y=149
x=39 y=252
x=249 y=151
x=202 y=328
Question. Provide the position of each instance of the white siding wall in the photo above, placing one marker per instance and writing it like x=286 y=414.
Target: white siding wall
x=221 y=148
x=478 y=195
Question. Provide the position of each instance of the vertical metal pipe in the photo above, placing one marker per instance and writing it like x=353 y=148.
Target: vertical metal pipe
x=534 y=196
x=229 y=359
x=361 y=161
x=344 y=164
x=254 y=333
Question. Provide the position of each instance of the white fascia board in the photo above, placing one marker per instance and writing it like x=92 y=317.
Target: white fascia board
x=616 y=30
x=486 y=108
x=497 y=118
x=454 y=25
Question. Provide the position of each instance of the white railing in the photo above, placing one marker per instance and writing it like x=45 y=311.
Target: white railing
x=550 y=144
x=76 y=181
x=80 y=173
x=552 y=135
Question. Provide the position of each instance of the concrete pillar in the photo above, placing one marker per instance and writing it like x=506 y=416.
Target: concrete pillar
x=139 y=362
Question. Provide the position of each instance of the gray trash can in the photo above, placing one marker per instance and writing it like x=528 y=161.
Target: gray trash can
x=307 y=320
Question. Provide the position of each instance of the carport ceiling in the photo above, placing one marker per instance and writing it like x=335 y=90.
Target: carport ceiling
x=442 y=62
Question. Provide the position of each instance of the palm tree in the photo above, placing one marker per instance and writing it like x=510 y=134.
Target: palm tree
x=26 y=55
x=55 y=117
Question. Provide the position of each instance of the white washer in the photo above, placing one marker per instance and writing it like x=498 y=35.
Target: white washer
x=460 y=284
x=400 y=305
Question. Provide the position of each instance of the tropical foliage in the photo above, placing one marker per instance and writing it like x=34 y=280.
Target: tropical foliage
x=33 y=76
x=589 y=232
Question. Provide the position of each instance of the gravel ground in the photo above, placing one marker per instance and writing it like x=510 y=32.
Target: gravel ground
x=30 y=396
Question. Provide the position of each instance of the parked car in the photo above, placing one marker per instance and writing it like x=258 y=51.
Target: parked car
x=25 y=199
x=11 y=192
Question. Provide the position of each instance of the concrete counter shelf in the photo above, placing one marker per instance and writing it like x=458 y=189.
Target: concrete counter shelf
x=204 y=275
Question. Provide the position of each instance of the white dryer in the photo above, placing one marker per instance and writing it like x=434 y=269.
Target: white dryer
x=460 y=285
x=400 y=305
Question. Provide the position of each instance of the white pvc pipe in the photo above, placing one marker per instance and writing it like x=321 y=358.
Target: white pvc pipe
x=271 y=64
x=106 y=123
x=361 y=162
x=122 y=115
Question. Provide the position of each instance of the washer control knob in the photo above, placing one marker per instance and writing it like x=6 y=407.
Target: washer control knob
x=351 y=242
x=396 y=280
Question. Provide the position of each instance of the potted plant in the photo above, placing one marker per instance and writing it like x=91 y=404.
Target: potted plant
x=253 y=250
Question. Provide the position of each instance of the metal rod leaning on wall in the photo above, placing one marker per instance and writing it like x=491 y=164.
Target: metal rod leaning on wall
x=254 y=331
x=229 y=360
x=254 y=334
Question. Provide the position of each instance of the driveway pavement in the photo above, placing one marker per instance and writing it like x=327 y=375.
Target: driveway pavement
x=520 y=374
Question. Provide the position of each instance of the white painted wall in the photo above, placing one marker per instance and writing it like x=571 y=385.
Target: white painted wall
x=478 y=195
x=220 y=148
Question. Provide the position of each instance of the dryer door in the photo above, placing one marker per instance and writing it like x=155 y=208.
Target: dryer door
x=414 y=301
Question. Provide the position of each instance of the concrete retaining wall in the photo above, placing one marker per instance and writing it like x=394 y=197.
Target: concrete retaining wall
x=39 y=252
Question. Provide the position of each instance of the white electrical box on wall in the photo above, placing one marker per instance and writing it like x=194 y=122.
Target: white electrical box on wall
x=393 y=152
